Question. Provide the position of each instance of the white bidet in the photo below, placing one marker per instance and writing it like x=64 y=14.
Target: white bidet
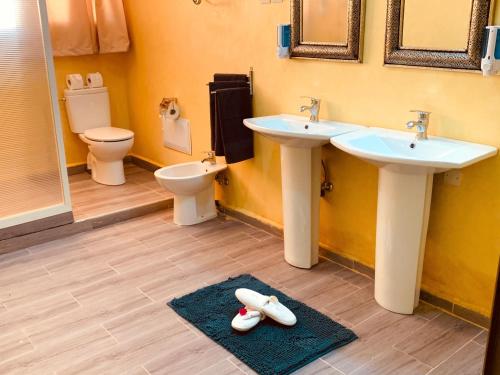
x=193 y=187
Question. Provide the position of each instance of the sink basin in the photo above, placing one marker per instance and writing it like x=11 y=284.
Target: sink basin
x=300 y=143
x=383 y=146
x=298 y=131
x=406 y=173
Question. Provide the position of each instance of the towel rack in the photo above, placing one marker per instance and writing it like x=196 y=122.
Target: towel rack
x=250 y=81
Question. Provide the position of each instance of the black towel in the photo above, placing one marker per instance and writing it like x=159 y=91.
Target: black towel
x=233 y=105
x=217 y=145
x=219 y=77
x=215 y=130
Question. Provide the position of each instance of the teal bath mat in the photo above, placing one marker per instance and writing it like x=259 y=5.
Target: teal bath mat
x=269 y=348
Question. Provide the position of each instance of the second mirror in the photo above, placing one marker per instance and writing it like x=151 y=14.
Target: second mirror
x=327 y=29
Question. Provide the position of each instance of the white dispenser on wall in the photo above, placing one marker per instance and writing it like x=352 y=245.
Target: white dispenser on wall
x=490 y=58
x=283 y=37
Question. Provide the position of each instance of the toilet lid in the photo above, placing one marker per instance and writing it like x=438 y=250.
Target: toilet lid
x=108 y=134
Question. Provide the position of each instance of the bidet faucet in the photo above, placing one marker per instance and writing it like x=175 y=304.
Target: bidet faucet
x=210 y=157
x=421 y=124
x=313 y=108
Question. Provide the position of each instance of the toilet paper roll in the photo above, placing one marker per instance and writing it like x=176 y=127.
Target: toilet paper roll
x=74 y=81
x=173 y=112
x=95 y=80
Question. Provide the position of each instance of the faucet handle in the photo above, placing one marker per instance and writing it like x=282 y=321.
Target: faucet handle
x=314 y=101
x=210 y=154
x=422 y=115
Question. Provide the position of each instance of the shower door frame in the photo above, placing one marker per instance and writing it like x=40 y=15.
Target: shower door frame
x=60 y=214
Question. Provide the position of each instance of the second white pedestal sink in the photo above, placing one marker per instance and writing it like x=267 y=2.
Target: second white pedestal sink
x=404 y=196
x=301 y=142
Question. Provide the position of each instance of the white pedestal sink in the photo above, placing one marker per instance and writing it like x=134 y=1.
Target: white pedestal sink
x=301 y=142
x=404 y=198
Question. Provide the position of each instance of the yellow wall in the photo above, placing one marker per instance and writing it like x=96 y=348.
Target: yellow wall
x=114 y=70
x=178 y=47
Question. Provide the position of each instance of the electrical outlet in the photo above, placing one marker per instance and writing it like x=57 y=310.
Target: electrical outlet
x=453 y=177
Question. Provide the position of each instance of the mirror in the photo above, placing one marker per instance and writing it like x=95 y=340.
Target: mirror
x=423 y=21
x=326 y=29
x=324 y=21
x=443 y=34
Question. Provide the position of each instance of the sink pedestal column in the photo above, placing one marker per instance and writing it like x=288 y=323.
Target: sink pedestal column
x=404 y=198
x=301 y=185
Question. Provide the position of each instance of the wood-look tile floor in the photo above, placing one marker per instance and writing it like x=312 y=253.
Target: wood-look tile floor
x=91 y=199
x=94 y=303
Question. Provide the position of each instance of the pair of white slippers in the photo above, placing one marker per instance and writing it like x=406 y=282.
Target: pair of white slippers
x=257 y=307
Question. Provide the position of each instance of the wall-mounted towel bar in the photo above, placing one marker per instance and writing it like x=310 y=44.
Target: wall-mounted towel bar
x=250 y=81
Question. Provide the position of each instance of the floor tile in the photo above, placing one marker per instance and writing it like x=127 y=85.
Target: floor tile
x=353 y=277
x=376 y=335
x=356 y=307
x=467 y=361
x=224 y=367
x=117 y=359
x=37 y=312
x=194 y=357
x=60 y=351
x=13 y=345
x=439 y=339
x=324 y=291
x=393 y=362
x=318 y=367
x=91 y=199
x=482 y=338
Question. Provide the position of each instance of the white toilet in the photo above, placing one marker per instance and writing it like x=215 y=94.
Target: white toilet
x=89 y=117
x=193 y=187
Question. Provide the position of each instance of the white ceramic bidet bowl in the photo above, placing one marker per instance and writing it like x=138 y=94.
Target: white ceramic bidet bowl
x=193 y=188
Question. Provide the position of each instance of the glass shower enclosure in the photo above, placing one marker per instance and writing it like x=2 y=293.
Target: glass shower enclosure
x=34 y=189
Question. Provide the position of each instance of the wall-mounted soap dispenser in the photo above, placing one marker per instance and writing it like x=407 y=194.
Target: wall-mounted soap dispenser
x=490 y=58
x=284 y=34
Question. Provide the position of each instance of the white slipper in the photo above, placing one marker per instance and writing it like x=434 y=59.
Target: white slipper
x=267 y=305
x=246 y=319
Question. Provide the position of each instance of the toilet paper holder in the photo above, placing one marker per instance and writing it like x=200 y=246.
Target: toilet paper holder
x=165 y=104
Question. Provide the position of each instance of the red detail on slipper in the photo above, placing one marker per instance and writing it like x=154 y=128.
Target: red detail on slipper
x=243 y=311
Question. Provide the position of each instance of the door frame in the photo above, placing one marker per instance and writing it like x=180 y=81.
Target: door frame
x=65 y=207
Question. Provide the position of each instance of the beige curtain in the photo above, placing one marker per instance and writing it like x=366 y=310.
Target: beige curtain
x=111 y=26
x=85 y=27
x=71 y=27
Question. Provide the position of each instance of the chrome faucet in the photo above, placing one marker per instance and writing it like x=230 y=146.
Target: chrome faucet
x=210 y=157
x=421 y=124
x=313 y=108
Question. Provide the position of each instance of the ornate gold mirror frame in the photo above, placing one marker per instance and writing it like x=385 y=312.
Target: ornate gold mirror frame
x=349 y=51
x=469 y=59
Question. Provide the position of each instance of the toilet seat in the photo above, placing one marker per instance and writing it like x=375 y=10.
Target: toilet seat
x=108 y=134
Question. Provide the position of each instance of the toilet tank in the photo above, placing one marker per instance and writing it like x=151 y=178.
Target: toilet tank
x=87 y=108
